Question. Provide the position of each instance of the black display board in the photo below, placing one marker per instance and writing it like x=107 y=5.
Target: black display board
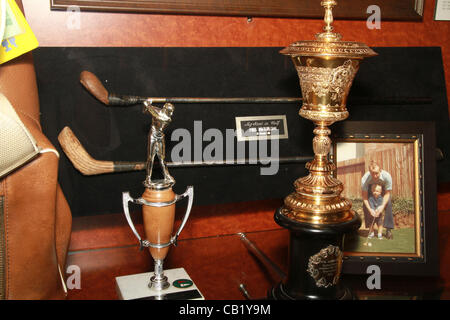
x=118 y=133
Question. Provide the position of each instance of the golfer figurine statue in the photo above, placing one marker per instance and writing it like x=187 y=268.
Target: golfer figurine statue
x=161 y=118
x=158 y=210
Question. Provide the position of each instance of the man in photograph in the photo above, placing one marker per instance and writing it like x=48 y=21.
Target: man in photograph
x=376 y=175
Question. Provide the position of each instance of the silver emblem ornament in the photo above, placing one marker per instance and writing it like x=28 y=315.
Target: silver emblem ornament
x=325 y=266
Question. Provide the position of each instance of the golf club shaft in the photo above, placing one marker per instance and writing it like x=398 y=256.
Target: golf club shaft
x=91 y=82
x=88 y=165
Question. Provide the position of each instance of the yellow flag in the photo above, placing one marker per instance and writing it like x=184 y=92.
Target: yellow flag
x=18 y=37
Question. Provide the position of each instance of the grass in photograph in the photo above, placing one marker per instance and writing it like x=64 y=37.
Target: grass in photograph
x=403 y=242
x=404 y=232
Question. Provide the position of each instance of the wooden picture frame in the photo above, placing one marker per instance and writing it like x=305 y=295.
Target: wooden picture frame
x=408 y=10
x=407 y=151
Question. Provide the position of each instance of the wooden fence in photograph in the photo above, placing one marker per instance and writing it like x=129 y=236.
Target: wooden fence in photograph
x=397 y=160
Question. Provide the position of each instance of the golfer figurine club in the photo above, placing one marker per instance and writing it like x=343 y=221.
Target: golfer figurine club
x=158 y=209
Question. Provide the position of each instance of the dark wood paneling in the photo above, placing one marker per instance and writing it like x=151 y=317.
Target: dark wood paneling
x=356 y=9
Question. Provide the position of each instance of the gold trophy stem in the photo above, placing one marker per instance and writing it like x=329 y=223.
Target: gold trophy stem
x=317 y=198
x=321 y=143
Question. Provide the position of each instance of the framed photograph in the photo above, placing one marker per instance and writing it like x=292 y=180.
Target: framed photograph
x=356 y=9
x=388 y=172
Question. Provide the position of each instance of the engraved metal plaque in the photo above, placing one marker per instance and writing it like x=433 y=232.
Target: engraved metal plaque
x=261 y=128
x=325 y=266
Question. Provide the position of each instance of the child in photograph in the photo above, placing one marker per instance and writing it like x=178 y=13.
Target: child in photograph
x=375 y=201
x=376 y=175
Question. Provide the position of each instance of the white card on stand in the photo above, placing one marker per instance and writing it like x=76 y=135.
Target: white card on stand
x=135 y=287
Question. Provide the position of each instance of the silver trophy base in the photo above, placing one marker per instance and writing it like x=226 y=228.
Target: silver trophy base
x=159 y=283
x=136 y=287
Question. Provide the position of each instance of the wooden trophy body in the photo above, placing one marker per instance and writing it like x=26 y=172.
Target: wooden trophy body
x=158 y=221
x=158 y=227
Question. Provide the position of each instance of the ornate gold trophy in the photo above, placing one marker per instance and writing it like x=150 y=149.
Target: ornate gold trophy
x=316 y=214
x=158 y=201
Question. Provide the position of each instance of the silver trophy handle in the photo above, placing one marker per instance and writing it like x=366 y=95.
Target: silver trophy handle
x=126 y=198
x=188 y=193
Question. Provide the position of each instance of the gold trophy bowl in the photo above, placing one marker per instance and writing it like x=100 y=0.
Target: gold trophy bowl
x=326 y=68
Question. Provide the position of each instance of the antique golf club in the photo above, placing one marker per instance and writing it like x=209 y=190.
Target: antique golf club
x=368 y=234
x=95 y=87
x=89 y=166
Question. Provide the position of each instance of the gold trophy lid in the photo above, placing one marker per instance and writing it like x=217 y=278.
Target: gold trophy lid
x=328 y=43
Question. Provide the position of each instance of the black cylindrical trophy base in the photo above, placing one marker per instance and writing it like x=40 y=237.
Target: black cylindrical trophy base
x=315 y=260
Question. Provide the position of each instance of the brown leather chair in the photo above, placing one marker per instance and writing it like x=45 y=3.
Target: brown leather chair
x=37 y=221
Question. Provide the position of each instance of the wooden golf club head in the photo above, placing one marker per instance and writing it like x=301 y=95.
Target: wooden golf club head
x=85 y=163
x=94 y=86
x=79 y=157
